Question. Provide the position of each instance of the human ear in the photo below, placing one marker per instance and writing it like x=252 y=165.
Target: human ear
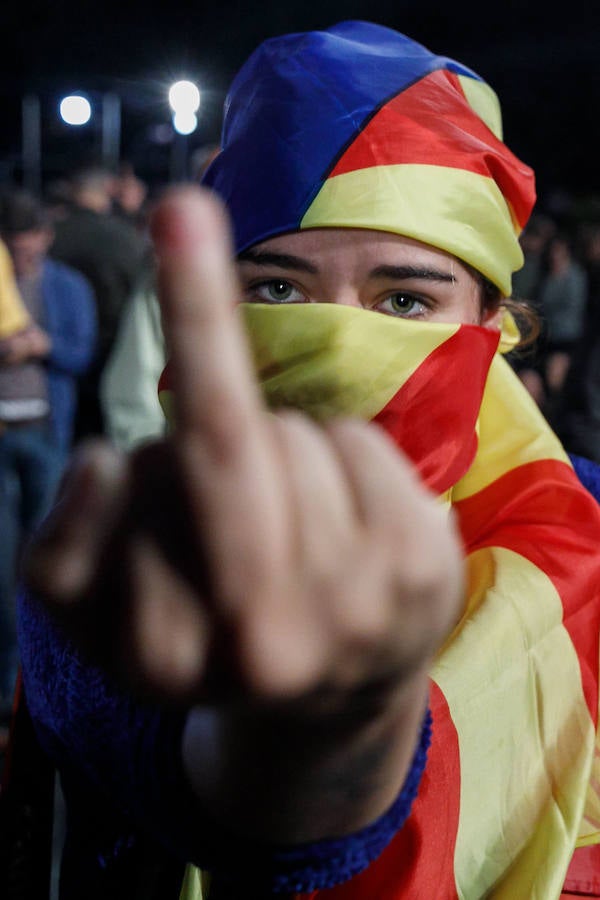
x=491 y=317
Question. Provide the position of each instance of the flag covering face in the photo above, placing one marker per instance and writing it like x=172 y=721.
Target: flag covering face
x=331 y=361
x=359 y=126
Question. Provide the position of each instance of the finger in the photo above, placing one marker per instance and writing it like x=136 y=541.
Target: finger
x=385 y=485
x=286 y=636
x=215 y=394
x=406 y=522
x=61 y=560
x=323 y=506
x=169 y=630
x=345 y=601
x=224 y=446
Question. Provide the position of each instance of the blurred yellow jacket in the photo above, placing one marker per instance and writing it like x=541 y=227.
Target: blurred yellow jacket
x=13 y=315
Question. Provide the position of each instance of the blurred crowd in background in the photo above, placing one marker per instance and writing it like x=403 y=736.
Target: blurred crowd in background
x=81 y=348
x=560 y=279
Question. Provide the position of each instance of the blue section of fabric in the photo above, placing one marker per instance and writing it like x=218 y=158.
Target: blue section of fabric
x=588 y=473
x=294 y=108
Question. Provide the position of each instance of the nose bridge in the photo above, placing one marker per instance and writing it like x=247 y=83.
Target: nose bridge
x=347 y=295
x=342 y=290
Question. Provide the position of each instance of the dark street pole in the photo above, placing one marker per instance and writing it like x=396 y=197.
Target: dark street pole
x=179 y=152
x=31 y=136
x=111 y=130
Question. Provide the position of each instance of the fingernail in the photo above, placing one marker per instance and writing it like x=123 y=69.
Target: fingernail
x=84 y=488
x=78 y=487
x=179 y=224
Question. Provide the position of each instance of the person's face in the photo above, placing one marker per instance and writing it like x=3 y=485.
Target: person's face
x=374 y=270
x=28 y=249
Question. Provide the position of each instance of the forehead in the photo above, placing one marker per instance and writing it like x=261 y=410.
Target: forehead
x=359 y=246
x=25 y=237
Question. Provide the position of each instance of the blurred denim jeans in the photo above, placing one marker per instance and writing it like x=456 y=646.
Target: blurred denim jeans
x=30 y=470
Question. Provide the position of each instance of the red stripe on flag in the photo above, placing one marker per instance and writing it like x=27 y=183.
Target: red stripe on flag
x=410 y=130
x=164 y=382
x=440 y=438
x=528 y=510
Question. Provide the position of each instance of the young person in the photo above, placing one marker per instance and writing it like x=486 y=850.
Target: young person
x=267 y=606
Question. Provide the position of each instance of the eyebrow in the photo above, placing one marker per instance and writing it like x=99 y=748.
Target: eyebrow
x=400 y=273
x=280 y=260
x=298 y=264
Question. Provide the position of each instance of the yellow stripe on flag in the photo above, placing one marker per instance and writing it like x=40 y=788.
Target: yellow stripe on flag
x=511 y=677
x=589 y=830
x=484 y=100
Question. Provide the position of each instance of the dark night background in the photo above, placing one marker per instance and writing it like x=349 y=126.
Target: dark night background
x=542 y=60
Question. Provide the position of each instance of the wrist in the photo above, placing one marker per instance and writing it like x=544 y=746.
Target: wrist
x=274 y=868
x=296 y=774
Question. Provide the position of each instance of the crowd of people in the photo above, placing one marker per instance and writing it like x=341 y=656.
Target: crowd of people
x=83 y=357
x=263 y=638
x=70 y=269
x=559 y=279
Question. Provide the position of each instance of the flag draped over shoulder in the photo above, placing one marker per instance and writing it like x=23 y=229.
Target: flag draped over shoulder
x=508 y=790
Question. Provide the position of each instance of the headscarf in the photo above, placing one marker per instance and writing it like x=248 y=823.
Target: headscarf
x=360 y=126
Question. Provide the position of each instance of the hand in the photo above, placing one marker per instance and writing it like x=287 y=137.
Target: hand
x=303 y=574
x=250 y=549
x=534 y=384
x=39 y=343
x=557 y=368
x=31 y=343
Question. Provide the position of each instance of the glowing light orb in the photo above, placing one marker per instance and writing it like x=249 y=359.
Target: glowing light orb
x=75 y=110
x=185 y=122
x=184 y=97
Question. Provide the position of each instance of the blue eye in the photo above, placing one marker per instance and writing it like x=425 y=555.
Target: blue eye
x=403 y=304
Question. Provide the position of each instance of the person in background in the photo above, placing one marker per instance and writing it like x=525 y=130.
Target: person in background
x=110 y=253
x=56 y=197
x=13 y=315
x=563 y=302
x=37 y=393
x=337 y=636
x=580 y=423
x=128 y=388
x=534 y=241
x=129 y=196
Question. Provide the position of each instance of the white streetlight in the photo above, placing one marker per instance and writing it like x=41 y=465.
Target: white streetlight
x=184 y=100
x=185 y=122
x=75 y=109
x=184 y=97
